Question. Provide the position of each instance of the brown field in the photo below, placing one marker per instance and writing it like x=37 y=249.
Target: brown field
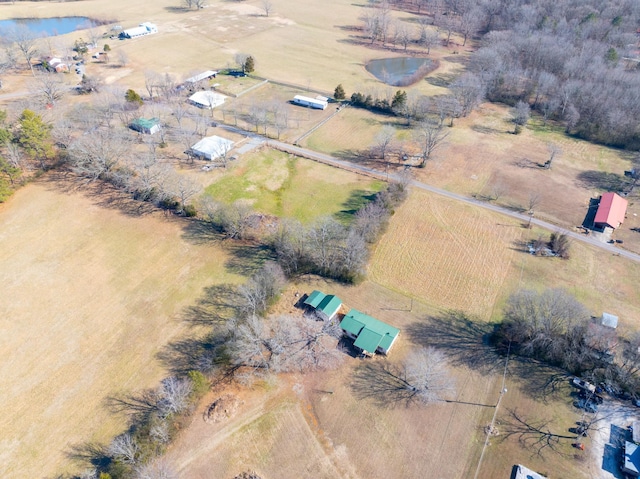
x=96 y=291
x=91 y=293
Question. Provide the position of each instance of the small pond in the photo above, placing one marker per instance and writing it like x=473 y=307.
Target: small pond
x=46 y=27
x=401 y=71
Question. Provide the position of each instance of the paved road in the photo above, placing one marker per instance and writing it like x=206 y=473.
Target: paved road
x=470 y=201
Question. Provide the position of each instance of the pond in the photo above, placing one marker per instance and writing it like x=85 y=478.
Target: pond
x=46 y=27
x=400 y=71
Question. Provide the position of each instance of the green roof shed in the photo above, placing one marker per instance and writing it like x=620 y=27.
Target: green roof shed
x=329 y=306
x=314 y=298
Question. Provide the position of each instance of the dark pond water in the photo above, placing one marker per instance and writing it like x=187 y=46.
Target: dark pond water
x=399 y=71
x=47 y=26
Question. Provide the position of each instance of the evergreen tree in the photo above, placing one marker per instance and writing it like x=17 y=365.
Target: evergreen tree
x=249 y=65
x=35 y=137
x=339 y=93
x=132 y=97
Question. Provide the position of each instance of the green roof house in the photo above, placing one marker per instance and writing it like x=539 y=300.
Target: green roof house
x=325 y=306
x=146 y=125
x=370 y=334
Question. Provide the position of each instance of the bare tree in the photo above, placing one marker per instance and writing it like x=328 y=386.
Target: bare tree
x=97 y=154
x=427 y=375
x=548 y=325
x=123 y=58
x=431 y=136
x=469 y=92
x=385 y=140
x=431 y=39
x=50 y=86
x=124 y=448
x=174 y=395
x=498 y=189
x=261 y=289
x=183 y=188
x=158 y=468
x=26 y=41
x=554 y=152
x=267 y=7
x=520 y=116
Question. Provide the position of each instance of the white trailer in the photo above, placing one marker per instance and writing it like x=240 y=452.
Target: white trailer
x=318 y=104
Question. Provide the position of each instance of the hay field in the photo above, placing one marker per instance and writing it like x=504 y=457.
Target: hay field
x=283 y=185
x=448 y=255
x=90 y=295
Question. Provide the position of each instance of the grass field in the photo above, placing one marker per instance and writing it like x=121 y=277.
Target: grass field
x=91 y=293
x=284 y=185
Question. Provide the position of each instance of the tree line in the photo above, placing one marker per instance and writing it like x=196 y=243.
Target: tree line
x=552 y=326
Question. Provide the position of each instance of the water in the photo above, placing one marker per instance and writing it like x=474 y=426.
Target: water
x=397 y=71
x=47 y=26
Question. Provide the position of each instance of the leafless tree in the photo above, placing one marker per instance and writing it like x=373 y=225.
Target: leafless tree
x=174 y=395
x=554 y=152
x=498 y=189
x=261 y=289
x=124 y=448
x=233 y=219
x=370 y=220
x=549 y=325
x=323 y=239
x=267 y=7
x=96 y=154
x=520 y=115
x=123 y=58
x=283 y=344
x=158 y=468
x=385 y=140
x=50 y=86
x=183 y=188
x=427 y=375
x=151 y=82
x=448 y=24
x=431 y=39
x=402 y=34
x=430 y=136
x=469 y=24
x=26 y=41
x=469 y=92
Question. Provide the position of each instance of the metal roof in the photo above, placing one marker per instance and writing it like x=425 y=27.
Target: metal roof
x=611 y=210
x=371 y=333
x=314 y=298
x=201 y=76
x=631 y=458
x=609 y=320
x=330 y=305
x=526 y=473
x=147 y=123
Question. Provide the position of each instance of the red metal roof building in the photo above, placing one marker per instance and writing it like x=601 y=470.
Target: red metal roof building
x=611 y=211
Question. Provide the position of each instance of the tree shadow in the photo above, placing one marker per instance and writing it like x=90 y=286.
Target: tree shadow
x=217 y=304
x=538 y=380
x=200 y=232
x=603 y=180
x=89 y=454
x=487 y=130
x=381 y=382
x=441 y=80
x=205 y=353
x=133 y=405
x=357 y=199
x=247 y=258
x=463 y=340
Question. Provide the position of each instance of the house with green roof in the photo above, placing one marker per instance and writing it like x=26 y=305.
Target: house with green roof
x=146 y=125
x=325 y=306
x=371 y=335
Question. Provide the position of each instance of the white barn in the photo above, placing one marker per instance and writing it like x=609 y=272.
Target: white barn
x=145 y=28
x=319 y=103
x=206 y=99
x=202 y=76
x=211 y=147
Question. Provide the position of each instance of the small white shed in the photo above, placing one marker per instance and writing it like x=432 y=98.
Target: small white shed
x=609 y=320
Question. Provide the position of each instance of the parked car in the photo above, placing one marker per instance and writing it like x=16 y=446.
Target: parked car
x=582 y=384
x=587 y=405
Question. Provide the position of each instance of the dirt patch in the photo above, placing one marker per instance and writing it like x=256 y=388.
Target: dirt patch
x=224 y=407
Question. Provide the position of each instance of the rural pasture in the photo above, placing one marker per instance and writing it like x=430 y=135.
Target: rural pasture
x=283 y=185
x=93 y=288
x=97 y=283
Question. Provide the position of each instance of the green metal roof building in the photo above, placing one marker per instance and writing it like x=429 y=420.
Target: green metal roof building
x=325 y=305
x=146 y=125
x=370 y=334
